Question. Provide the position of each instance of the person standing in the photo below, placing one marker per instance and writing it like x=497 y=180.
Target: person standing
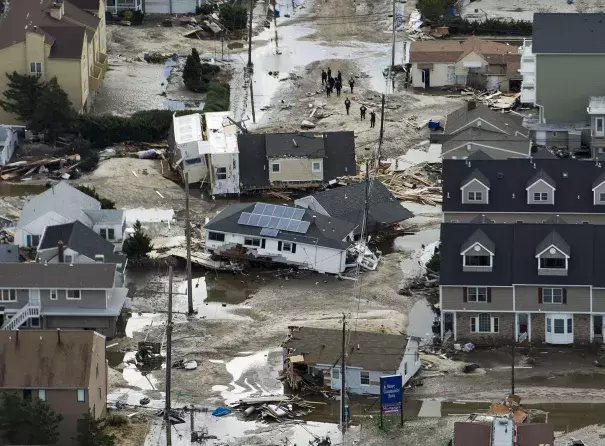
x=372 y=119
x=351 y=84
x=324 y=77
x=331 y=82
x=329 y=73
x=347 y=105
x=328 y=90
x=339 y=76
x=338 y=86
x=362 y=110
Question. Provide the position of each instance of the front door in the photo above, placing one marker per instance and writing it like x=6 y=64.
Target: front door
x=599 y=127
x=426 y=77
x=597 y=327
x=522 y=327
x=559 y=328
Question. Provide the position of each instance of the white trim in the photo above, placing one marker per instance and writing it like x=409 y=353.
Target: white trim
x=471 y=124
x=273 y=163
x=473 y=245
x=598 y=185
x=536 y=182
x=73 y=298
x=471 y=181
x=455 y=323
x=485 y=147
x=50 y=294
x=552 y=245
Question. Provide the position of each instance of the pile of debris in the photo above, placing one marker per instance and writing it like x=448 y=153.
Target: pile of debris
x=57 y=168
x=492 y=98
x=275 y=408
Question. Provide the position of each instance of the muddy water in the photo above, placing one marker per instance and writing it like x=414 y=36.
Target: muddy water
x=19 y=189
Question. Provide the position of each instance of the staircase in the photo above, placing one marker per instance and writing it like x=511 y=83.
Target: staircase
x=31 y=309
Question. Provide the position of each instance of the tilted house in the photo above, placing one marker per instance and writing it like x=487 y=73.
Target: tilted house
x=543 y=281
x=524 y=190
x=65 y=369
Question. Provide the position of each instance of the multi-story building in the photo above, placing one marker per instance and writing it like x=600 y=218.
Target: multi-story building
x=55 y=38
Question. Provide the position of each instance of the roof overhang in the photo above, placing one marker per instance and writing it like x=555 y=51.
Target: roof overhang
x=538 y=181
x=473 y=245
x=551 y=246
x=598 y=185
x=472 y=181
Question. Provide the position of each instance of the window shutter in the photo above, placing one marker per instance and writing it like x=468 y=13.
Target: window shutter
x=263 y=242
x=489 y=295
x=279 y=246
x=465 y=294
x=564 y=295
x=539 y=295
x=293 y=248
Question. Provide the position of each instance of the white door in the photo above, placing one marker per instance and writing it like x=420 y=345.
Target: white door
x=540 y=138
x=34 y=297
x=157 y=6
x=183 y=6
x=599 y=127
x=559 y=328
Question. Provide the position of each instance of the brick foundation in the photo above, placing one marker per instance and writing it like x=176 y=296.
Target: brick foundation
x=538 y=328
x=581 y=328
x=504 y=336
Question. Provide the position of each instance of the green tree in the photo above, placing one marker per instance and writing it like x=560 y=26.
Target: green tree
x=92 y=432
x=192 y=74
x=233 y=17
x=435 y=263
x=138 y=245
x=28 y=421
x=53 y=113
x=434 y=9
x=196 y=55
x=21 y=95
x=92 y=192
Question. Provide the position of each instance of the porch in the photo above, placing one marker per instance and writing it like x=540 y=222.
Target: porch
x=118 y=6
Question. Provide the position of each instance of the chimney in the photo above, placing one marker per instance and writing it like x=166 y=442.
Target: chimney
x=57 y=9
x=471 y=105
x=60 y=252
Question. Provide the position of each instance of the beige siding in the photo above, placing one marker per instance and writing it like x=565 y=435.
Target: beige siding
x=526 y=299
x=498 y=217
x=13 y=59
x=68 y=75
x=295 y=169
x=35 y=52
x=452 y=298
x=598 y=300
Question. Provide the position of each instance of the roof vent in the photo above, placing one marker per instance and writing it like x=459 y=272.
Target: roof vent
x=513 y=195
x=500 y=175
x=294 y=142
x=534 y=165
x=565 y=175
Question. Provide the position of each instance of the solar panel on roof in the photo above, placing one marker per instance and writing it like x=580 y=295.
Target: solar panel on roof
x=283 y=223
x=303 y=227
x=298 y=214
x=243 y=219
x=263 y=222
x=273 y=222
x=269 y=209
x=254 y=218
x=288 y=212
x=293 y=225
x=259 y=208
x=279 y=211
x=269 y=232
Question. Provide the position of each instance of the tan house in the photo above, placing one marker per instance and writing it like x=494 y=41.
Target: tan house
x=67 y=369
x=66 y=39
x=474 y=62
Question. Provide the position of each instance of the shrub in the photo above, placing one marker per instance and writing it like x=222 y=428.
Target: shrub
x=217 y=98
x=205 y=9
x=435 y=263
x=116 y=420
x=128 y=15
x=233 y=17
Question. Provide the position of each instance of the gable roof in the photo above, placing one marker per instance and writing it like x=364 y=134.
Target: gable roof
x=106 y=216
x=509 y=179
x=58 y=275
x=81 y=239
x=377 y=351
x=68 y=41
x=46 y=363
x=285 y=145
x=478 y=237
x=91 y=5
x=478 y=176
x=253 y=164
x=348 y=203
x=553 y=239
x=541 y=176
x=478 y=155
x=324 y=231
x=499 y=145
x=453 y=51
x=568 y=33
x=463 y=117
x=515 y=259
x=340 y=155
x=60 y=198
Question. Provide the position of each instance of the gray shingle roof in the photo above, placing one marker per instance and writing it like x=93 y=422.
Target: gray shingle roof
x=463 y=117
x=479 y=155
x=479 y=237
x=348 y=203
x=600 y=180
x=553 y=239
x=565 y=33
x=57 y=275
x=323 y=231
x=340 y=155
x=377 y=351
x=106 y=216
x=499 y=145
x=541 y=175
x=509 y=180
x=287 y=145
x=543 y=153
x=515 y=257
x=555 y=219
x=476 y=175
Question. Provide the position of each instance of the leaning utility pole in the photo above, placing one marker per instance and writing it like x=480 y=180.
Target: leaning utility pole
x=252 y=100
x=343 y=385
x=168 y=360
x=250 y=35
x=394 y=33
x=188 y=237
x=381 y=133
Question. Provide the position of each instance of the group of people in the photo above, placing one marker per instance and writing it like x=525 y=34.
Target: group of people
x=332 y=83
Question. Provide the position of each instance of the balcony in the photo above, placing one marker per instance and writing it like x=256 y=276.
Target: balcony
x=103 y=62
x=95 y=77
x=118 y=6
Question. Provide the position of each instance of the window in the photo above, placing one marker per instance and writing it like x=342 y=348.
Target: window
x=192 y=161
x=42 y=394
x=559 y=326
x=484 y=323
x=27 y=394
x=35 y=68
x=216 y=236
x=8 y=295
x=111 y=234
x=221 y=173
x=275 y=167
x=103 y=233
x=552 y=295
x=335 y=373
x=477 y=294
x=98 y=375
x=540 y=196
x=599 y=122
x=569 y=325
x=552 y=263
x=316 y=167
x=405 y=369
x=477 y=261
x=81 y=395
x=73 y=294
x=69 y=259
x=252 y=241
x=475 y=196
x=365 y=378
x=286 y=246
x=519 y=221
x=53 y=294
x=35 y=240
x=602 y=197
x=548 y=325
x=34 y=322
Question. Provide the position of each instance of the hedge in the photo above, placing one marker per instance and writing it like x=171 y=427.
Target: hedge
x=217 y=97
x=458 y=25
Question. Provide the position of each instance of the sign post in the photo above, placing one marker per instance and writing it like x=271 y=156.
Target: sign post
x=391 y=396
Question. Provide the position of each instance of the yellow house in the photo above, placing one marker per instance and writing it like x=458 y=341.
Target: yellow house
x=66 y=39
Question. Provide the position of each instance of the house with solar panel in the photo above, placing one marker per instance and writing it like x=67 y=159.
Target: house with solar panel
x=268 y=233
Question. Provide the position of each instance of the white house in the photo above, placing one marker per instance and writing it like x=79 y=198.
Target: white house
x=187 y=146
x=224 y=156
x=318 y=352
x=280 y=234
x=170 y=6
x=8 y=143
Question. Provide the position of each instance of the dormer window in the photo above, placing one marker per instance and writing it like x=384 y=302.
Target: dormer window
x=541 y=189
x=598 y=190
x=540 y=196
x=475 y=196
x=553 y=255
x=475 y=189
x=478 y=253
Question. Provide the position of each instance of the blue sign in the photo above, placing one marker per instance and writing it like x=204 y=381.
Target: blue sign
x=391 y=393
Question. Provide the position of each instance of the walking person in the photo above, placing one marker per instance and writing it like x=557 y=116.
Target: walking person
x=362 y=110
x=331 y=82
x=339 y=76
x=372 y=119
x=351 y=84
x=324 y=77
x=347 y=105
x=329 y=73
x=338 y=86
x=328 y=90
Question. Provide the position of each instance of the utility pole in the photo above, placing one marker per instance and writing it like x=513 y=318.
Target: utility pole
x=275 y=26
x=188 y=237
x=168 y=360
x=381 y=133
x=252 y=100
x=343 y=385
x=512 y=370
x=394 y=33
x=250 y=35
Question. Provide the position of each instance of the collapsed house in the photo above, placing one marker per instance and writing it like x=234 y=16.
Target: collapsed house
x=348 y=203
x=268 y=233
x=312 y=359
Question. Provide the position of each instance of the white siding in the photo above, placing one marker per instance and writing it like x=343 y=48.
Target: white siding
x=8 y=143
x=230 y=162
x=37 y=226
x=117 y=229
x=412 y=361
x=353 y=381
x=438 y=76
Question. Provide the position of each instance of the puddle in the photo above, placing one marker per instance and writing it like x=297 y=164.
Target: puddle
x=136 y=377
x=139 y=322
x=202 y=301
x=413 y=246
x=133 y=397
x=18 y=190
x=421 y=321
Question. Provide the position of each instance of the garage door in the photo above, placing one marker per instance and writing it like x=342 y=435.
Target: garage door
x=183 y=6
x=157 y=6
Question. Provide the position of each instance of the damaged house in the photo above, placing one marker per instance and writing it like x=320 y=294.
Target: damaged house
x=348 y=203
x=312 y=357
x=281 y=234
